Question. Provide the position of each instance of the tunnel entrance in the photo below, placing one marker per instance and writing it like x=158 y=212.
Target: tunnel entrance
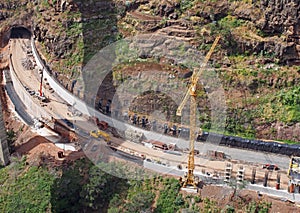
x=20 y=32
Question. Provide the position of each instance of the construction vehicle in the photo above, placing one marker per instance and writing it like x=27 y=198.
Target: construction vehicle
x=58 y=125
x=270 y=167
x=100 y=124
x=100 y=134
x=294 y=175
x=294 y=168
x=189 y=179
x=158 y=144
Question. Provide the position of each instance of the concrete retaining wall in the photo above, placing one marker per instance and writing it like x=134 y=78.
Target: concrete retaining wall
x=33 y=108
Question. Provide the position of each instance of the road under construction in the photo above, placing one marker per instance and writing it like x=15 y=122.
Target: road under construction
x=59 y=111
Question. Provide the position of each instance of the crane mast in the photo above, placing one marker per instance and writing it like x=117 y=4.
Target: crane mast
x=189 y=180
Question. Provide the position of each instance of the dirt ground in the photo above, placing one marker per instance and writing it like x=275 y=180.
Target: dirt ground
x=224 y=196
x=39 y=150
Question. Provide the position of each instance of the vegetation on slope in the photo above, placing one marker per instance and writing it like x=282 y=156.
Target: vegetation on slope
x=83 y=187
x=25 y=189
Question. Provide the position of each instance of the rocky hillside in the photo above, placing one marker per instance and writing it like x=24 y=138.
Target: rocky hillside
x=257 y=58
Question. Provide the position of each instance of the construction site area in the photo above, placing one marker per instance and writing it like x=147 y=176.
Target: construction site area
x=149 y=106
x=154 y=104
x=62 y=131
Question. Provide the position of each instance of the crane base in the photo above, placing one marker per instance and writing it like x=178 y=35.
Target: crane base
x=190 y=189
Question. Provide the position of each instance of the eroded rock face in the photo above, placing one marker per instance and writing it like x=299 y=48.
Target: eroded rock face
x=8 y=8
x=282 y=18
x=280 y=15
x=272 y=17
x=279 y=131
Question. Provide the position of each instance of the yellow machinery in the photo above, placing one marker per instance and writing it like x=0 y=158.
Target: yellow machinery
x=99 y=133
x=294 y=168
x=294 y=175
x=189 y=180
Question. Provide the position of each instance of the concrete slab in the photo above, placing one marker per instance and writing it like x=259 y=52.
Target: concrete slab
x=190 y=190
x=66 y=147
x=48 y=134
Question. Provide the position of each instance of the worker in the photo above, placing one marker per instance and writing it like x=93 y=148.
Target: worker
x=166 y=128
x=134 y=119
x=143 y=122
x=73 y=85
x=174 y=129
x=108 y=107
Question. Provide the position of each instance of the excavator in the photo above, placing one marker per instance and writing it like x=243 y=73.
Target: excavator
x=189 y=180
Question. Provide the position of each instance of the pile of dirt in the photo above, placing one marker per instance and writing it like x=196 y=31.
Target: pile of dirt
x=40 y=151
x=220 y=194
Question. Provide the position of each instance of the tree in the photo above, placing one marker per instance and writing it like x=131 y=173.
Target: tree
x=100 y=188
x=169 y=200
x=261 y=207
x=228 y=209
x=11 y=137
x=236 y=185
x=210 y=206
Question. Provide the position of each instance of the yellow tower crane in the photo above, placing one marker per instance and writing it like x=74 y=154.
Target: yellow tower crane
x=189 y=180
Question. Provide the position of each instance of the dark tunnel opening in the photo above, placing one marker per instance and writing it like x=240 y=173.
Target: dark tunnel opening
x=20 y=32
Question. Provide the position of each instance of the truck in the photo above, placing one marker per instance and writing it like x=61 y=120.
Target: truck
x=158 y=144
x=102 y=125
x=100 y=134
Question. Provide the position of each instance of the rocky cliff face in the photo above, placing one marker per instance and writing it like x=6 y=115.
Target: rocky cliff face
x=8 y=8
x=258 y=39
x=282 y=18
x=272 y=26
